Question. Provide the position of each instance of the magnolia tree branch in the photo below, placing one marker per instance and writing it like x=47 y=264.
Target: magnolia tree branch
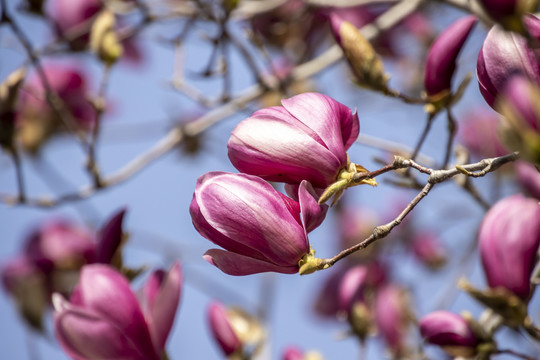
x=176 y=135
x=480 y=168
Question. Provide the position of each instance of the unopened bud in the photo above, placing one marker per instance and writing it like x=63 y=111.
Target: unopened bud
x=364 y=61
x=103 y=38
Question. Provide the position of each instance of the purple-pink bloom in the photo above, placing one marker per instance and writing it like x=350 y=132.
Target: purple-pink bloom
x=304 y=139
x=292 y=353
x=505 y=54
x=391 y=316
x=478 y=133
x=442 y=55
x=447 y=329
x=222 y=330
x=72 y=19
x=529 y=178
x=519 y=95
x=259 y=228
x=104 y=319
x=509 y=237
x=428 y=249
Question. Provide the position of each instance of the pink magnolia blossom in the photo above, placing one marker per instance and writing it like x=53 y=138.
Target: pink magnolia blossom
x=391 y=317
x=51 y=259
x=504 y=54
x=104 y=319
x=508 y=239
x=259 y=228
x=429 y=250
x=442 y=55
x=529 y=178
x=478 y=133
x=449 y=331
x=304 y=139
x=222 y=329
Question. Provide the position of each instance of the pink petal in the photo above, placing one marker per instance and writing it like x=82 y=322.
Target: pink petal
x=222 y=329
x=313 y=214
x=237 y=265
x=110 y=237
x=162 y=295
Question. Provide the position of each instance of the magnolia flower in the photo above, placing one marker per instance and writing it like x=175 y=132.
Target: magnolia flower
x=105 y=320
x=442 y=55
x=305 y=139
x=51 y=259
x=509 y=12
x=428 y=249
x=233 y=329
x=504 y=54
x=449 y=331
x=509 y=238
x=478 y=133
x=295 y=353
x=36 y=120
x=259 y=228
x=73 y=19
x=518 y=103
x=392 y=317
x=529 y=178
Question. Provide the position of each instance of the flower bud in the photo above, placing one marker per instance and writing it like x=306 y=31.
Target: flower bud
x=509 y=12
x=508 y=239
x=259 y=228
x=364 y=61
x=505 y=54
x=429 y=250
x=72 y=20
x=392 y=316
x=294 y=353
x=233 y=329
x=520 y=105
x=103 y=38
x=36 y=120
x=441 y=58
x=528 y=176
x=478 y=133
x=449 y=331
x=9 y=92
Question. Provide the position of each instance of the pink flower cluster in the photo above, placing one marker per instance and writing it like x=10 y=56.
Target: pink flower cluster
x=302 y=143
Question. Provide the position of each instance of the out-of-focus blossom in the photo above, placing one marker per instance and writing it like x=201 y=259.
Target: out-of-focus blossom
x=478 y=133
x=73 y=19
x=509 y=238
x=233 y=329
x=509 y=12
x=356 y=281
x=295 y=353
x=441 y=58
x=222 y=330
x=91 y=326
x=259 y=228
x=428 y=249
x=505 y=54
x=36 y=120
x=519 y=104
x=529 y=178
x=305 y=139
x=292 y=26
x=354 y=226
x=451 y=332
x=392 y=316
x=52 y=257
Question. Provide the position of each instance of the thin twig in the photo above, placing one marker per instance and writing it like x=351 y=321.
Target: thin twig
x=435 y=177
x=176 y=135
x=19 y=173
x=451 y=135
